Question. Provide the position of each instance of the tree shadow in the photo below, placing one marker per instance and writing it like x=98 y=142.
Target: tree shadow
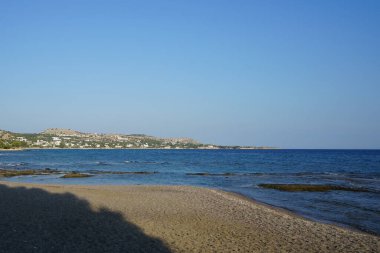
x=34 y=220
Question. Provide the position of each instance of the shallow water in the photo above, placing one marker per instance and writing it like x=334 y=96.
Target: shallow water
x=352 y=168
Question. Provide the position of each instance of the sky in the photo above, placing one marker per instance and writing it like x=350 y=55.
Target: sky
x=288 y=74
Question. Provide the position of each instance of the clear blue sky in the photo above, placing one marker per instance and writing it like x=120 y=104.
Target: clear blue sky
x=291 y=74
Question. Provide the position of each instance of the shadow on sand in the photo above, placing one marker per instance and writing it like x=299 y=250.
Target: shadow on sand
x=34 y=220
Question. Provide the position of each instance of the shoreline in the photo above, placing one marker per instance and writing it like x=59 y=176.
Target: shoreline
x=22 y=149
x=188 y=218
x=238 y=194
x=295 y=214
x=232 y=193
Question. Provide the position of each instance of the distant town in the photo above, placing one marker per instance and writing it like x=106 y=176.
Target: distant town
x=71 y=139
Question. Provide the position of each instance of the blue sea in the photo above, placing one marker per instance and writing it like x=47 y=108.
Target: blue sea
x=352 y=168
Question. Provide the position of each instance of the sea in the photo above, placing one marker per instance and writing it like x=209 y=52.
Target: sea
x=245 y=169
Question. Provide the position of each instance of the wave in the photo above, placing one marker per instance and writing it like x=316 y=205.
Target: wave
x=146 y=162
x=102 y=163
x=14 y=164
x=349 y=205
x=210 y=174
x=348 y=177
x=121 y=172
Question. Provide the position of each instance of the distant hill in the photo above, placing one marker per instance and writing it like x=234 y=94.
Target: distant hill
x=67 y=138
x=60 y=131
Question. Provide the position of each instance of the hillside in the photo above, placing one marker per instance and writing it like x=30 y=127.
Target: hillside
x=60 y=131
x=67 y=138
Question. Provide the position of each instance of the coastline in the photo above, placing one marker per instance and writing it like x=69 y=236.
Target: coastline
x=13 y=149
x=23 y=149
x=188 y=218
x=298 y=215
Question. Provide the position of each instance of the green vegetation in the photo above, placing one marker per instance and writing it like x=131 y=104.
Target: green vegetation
x=62 y=145
x=75 y=174
x=310 y=188
x=12 y=144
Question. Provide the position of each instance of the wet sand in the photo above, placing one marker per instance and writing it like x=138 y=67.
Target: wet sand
x=74 y=218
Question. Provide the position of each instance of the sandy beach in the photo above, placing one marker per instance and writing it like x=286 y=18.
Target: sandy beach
x=74 y=218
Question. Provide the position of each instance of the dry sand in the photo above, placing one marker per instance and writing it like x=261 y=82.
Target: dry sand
x=62 y=218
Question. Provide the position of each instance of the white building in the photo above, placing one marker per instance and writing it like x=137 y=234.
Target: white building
x=21 y=139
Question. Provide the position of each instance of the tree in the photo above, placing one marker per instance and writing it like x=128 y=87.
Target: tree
x=62 y=144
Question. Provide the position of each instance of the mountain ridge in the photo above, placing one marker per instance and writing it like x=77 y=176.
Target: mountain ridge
x=73 y=139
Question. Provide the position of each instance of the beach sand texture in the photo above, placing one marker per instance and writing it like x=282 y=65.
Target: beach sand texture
x=73 y=218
